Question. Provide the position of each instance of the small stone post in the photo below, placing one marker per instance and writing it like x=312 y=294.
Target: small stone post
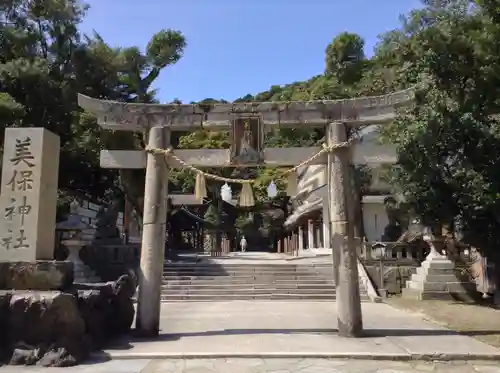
x=153 y=236
x=350 y=321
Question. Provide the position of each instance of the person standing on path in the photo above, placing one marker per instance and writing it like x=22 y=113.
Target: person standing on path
x=243 y=244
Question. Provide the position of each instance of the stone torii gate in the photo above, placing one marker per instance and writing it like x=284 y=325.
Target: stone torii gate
x=242 y=118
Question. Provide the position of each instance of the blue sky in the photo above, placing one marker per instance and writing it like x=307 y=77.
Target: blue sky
x=238 y=47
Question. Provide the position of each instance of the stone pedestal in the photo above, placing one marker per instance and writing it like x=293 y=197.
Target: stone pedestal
x=81 y=272
x=435 y=279
x=38 y=275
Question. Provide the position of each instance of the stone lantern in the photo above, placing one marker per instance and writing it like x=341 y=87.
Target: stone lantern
x=76 y=235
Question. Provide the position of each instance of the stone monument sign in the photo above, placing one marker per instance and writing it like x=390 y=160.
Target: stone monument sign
x=28 y=194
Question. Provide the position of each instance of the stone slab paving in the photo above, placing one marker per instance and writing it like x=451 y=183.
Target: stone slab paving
x=295 y=329
x=296 y=365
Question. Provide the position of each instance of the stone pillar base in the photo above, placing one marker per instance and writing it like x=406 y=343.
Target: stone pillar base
x=81 y=273
x=435 y=279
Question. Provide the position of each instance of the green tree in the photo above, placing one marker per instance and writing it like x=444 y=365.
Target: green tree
x=45 y=62
x=38 y=83
x=345 y=58
x=448 y=143
x=137 y=71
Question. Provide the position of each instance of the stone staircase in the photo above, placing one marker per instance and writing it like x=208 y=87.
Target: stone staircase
x=222 y=282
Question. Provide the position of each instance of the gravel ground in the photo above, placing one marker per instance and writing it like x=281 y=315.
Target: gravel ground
x=477 y=321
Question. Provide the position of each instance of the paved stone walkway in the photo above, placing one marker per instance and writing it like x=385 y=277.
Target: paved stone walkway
x=267 y=366
x=212 y=334
x=246 y=329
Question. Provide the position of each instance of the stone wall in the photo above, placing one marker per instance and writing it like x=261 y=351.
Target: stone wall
x=111 y=261
x=88 y=213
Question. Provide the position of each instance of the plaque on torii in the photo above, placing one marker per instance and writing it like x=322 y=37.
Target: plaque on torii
x=247 y=140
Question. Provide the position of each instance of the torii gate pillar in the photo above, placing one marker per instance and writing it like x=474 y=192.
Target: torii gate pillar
x=153 y=235
x=345 y=260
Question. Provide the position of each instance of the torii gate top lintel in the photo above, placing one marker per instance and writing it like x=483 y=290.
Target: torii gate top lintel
x=219 y=116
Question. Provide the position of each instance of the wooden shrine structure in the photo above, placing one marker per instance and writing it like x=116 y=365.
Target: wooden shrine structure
x=248 y=123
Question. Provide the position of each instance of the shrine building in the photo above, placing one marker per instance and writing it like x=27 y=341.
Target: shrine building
x=310 y=214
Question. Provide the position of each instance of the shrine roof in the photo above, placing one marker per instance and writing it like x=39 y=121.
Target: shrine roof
x=183 y=218
x=137 y=116
x=302 y=211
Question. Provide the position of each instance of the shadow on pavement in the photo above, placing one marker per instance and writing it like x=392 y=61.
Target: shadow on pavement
x=125 y=343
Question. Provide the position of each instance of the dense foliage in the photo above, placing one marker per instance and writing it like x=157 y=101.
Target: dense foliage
x=45 y=62
x=449 y=141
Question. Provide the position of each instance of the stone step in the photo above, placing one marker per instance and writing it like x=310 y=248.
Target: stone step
x=249 y=286
x=246 y=282
x=263 y=279
x=221 y=297
x=237 y=287
x=434 y=272
x=248 y=273
x=247 y=265
x=246 y=277
x=208 y=292
x=227 y=270
x=428 y=295
x=239 y=281
x=453 y=287
x=446 y=277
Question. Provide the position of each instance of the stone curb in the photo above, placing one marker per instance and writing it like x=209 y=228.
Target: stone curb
x=298 y=258
x=302 y=355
